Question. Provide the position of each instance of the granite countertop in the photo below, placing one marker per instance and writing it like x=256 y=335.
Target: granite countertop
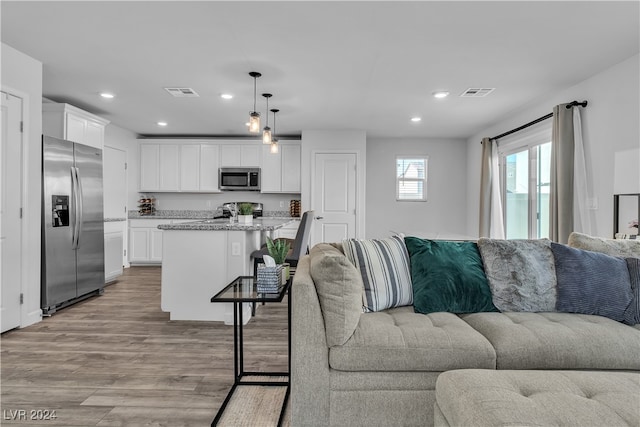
x=223 y=224
x=114 y=219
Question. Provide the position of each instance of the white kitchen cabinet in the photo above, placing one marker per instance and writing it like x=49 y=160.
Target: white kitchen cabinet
x=209 y=164
x=190 y=167
x=281 y=171
x=241 y=155
x=65 y=121
x=159 y=167
x=179 y=166
x=145 y=239
x=149 y=167
x=113 y=250
x=169 y=167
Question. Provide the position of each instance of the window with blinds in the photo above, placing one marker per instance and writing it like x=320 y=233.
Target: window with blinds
x=411 y=178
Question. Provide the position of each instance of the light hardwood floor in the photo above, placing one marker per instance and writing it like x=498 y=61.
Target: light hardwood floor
x=117 y=360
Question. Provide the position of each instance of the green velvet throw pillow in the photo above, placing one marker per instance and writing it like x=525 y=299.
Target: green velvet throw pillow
x=448 y=276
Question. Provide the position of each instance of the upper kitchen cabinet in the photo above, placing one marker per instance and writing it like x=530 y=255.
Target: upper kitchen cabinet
x=281 y=171
x=179 y=166
x=241 y=154
x=65 y=121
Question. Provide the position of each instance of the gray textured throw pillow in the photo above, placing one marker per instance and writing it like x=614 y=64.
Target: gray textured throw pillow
x=521 y=274
x=591 y=282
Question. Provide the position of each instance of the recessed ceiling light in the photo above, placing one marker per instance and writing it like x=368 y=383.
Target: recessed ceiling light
x=440 y=94
x=162 y=123
x=107 y=95
x=226 y=96
x=416 y=119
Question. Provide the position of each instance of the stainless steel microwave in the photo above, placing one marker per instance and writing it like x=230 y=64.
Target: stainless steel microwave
x=239 y=179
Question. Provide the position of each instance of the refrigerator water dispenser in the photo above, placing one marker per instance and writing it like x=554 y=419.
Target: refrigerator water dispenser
x=60 y=211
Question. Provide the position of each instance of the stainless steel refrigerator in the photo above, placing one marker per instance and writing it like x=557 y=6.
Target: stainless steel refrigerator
x=72 y=223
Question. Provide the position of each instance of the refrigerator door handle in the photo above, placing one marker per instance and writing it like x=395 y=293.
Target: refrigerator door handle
x=80 y=207
x=74 y=198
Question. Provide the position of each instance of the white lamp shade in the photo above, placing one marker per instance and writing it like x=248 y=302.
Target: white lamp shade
x=274 y=148
x=254 y=122
x=266 y=135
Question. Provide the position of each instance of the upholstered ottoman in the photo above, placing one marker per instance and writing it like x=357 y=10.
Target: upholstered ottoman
x=477 y=397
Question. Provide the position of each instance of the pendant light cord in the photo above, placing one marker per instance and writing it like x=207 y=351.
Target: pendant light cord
x=255 y=79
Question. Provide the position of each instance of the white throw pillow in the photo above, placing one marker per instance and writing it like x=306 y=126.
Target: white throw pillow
x=385 y=270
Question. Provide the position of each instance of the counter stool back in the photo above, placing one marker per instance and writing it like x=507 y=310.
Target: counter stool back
x=299 y=248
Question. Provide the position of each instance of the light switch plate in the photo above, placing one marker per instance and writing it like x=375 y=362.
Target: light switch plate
x=592 y=203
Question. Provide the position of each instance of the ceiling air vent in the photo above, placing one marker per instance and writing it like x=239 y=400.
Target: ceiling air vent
x=182 y=92
x=477 y=92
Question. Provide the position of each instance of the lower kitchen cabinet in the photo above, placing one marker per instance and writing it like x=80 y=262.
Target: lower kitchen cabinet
x=145 y=240
x=113 y=250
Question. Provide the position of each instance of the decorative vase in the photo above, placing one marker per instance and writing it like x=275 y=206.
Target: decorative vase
x=286 y=272
x=245 y=219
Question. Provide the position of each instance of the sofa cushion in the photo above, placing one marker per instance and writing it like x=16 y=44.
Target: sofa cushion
x=448 y=276
x=632 y=313
x=339 y=288
x=401 y=340
x=538 y=398
x=591 y=282
x=613 y=247
x=384 y=266
x=521 y=274
x=558 y=340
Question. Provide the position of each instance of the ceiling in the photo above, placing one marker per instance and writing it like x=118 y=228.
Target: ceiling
x=330 y=65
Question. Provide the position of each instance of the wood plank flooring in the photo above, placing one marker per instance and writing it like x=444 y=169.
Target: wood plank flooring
x=117 y=360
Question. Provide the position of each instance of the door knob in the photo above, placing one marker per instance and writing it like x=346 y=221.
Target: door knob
x=319 y=217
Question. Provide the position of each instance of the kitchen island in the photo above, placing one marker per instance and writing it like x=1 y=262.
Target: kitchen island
x=200 y=258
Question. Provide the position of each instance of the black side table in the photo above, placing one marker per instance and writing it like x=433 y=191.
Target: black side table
x=243 y=289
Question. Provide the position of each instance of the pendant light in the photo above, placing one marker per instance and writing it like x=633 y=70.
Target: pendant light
x=274 y=141
x=266 y=132
x=254 y=116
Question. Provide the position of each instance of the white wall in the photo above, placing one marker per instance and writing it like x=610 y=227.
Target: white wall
x=610 y=126
x=22 y=75
x=354 y=141
x=443 y=215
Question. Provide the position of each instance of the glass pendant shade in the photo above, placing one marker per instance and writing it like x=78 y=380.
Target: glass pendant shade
x=274 y=146
x=254 y=122
x=266 y=135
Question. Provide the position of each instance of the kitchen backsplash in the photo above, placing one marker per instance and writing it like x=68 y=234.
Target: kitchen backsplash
x=209 y=202
x=195 y=214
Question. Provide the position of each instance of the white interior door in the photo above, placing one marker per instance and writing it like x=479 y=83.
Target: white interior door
x=334 y=196
x=10 y=234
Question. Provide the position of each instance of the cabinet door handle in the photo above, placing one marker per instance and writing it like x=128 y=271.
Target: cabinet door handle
x=319 y=217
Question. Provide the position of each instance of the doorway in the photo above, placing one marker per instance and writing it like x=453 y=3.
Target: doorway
x=334 y=196
x=10 y=212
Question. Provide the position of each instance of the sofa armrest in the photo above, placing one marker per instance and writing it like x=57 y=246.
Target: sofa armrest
x=309 y=353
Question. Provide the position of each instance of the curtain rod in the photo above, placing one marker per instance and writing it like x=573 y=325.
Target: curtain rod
x=545 y=117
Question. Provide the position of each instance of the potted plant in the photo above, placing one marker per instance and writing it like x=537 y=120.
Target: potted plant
x=245 y=213
x=278 y=250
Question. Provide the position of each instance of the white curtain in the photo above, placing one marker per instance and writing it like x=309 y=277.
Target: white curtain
x=491 y=215
x=581 y=214
x=568 y=209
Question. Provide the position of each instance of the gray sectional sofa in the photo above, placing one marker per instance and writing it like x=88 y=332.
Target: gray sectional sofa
x=352 y=368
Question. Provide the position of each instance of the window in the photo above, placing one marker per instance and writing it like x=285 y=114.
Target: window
x=411 y=178
x=525 y=163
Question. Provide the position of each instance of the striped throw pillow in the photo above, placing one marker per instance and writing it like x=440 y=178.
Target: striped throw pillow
x=384 y=266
